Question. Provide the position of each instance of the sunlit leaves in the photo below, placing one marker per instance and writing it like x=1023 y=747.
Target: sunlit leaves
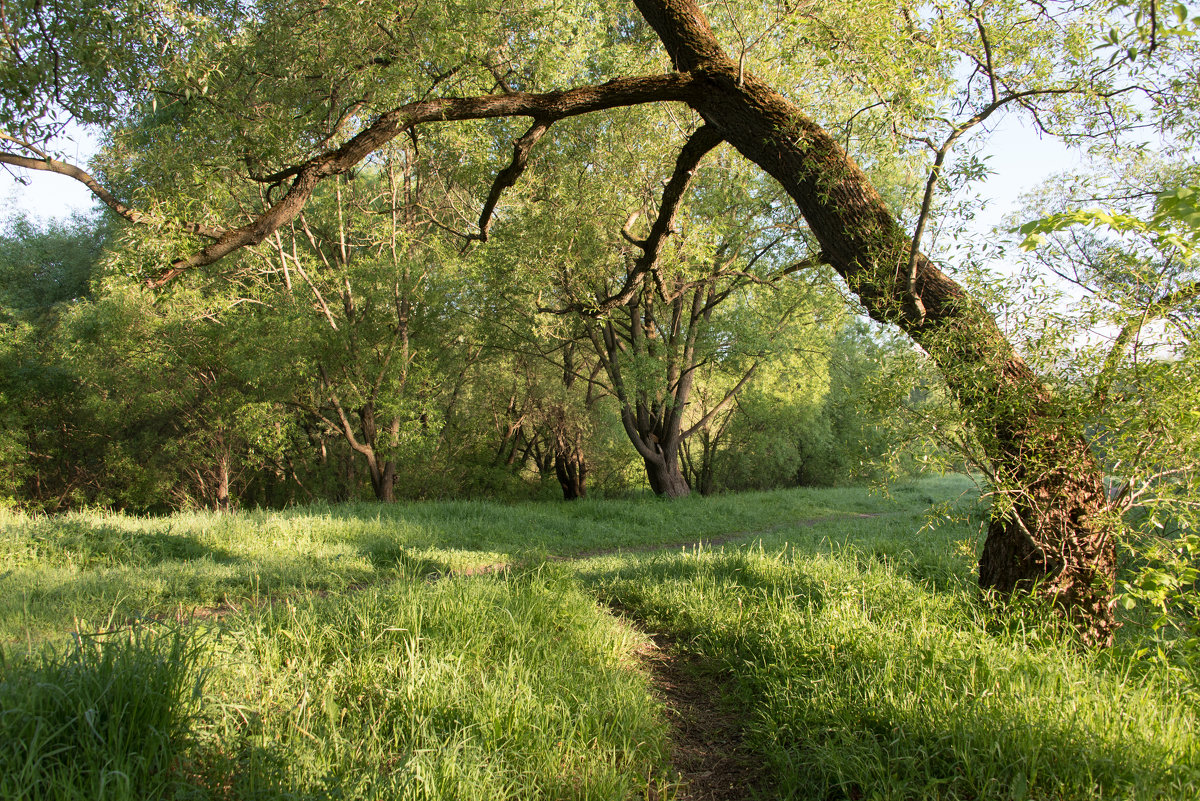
x=89 y=60
x=1175 y=222
x=1125 y=360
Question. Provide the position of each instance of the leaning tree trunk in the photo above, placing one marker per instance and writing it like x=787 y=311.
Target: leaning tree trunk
x=1049 y=529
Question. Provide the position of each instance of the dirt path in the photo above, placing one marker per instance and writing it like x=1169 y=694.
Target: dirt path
x=708 y=750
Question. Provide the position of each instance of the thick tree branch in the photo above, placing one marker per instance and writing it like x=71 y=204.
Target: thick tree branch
x=548 y=107
x=545 y=107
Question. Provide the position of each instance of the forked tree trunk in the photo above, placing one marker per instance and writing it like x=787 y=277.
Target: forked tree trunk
x=1048 y=529
x=381 y=472
x=383 y=480
x=570 y=467
x=666 y=479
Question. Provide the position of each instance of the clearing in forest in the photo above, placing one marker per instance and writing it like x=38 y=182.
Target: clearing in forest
x=806 y=643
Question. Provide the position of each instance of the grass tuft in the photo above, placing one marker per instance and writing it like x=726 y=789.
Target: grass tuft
x=509 y=686
x=103 y=718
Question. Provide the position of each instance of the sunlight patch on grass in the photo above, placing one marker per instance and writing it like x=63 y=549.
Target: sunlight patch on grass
x=480 y=688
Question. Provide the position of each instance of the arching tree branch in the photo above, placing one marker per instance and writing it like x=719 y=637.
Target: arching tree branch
x=546 y=108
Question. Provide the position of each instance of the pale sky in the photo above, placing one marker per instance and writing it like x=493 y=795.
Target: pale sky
x=48 y=195
x=1021 y=161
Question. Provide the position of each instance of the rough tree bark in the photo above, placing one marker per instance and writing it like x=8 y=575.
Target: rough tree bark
x=665 y=477
x=1048 y=528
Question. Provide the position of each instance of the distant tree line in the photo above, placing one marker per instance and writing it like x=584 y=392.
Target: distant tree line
x=353 y=379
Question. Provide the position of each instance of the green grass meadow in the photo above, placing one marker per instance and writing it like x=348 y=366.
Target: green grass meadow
x=488 y=651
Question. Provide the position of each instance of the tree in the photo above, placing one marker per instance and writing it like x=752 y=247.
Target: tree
x=1126 y=359
x=548 y=414
x=44 y=270
x=655 y=315
x=330 y=108
x=363 y=277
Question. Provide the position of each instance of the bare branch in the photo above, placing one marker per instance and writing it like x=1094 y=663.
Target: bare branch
x=509 y=175
x=987 y=52
x=714 y=411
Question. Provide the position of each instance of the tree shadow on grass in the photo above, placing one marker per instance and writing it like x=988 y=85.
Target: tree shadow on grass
x=94 y=542
x=185 y=577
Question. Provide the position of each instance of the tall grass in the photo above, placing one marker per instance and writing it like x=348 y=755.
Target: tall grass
x=867 y=674
x=497 y=687
x=54 y=570
x=354 y=659
x=103 y=718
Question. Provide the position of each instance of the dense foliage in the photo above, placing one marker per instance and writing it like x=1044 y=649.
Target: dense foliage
x=263 y=395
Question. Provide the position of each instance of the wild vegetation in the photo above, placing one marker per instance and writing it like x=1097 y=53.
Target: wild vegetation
x=360 y=271
x=350 y=235
x=480 y=650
